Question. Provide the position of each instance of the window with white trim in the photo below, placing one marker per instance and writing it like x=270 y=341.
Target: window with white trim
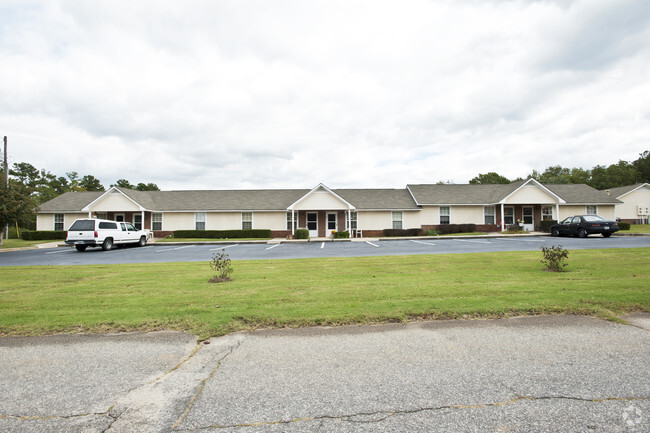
x=397 y=218
x=353 y=220
x=199 y=220
x=246 y=220
x=59 y=222
x=547 y=213
x=445 y=215
x=289 y=220
x=592 y=210
x=488 y=214
x=156 y=221
x=137 y=221
x=509 y=215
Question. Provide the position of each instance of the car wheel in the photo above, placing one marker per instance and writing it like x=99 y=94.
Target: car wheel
x=606 y=235
x=108 y=244
x=555 y=233
x=143 y=241
x=80 y=247
x=582 y=233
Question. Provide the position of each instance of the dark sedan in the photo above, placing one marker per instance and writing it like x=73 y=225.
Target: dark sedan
x=584 y=225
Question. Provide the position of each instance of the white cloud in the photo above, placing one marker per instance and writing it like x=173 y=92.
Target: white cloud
x=203 y=94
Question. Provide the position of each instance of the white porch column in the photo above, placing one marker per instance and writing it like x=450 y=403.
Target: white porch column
x=557 y=212
x=293 y=222
x=503 y=218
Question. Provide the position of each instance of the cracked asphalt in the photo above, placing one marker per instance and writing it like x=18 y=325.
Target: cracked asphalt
x=527 y=374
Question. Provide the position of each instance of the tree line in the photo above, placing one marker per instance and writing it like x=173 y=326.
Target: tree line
x=622 y=173
x=27 y=187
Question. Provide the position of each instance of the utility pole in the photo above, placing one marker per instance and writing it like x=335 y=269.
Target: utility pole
x=6 y=167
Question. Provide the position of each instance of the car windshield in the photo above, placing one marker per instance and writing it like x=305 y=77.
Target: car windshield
x=83 y=226
x=594 y=218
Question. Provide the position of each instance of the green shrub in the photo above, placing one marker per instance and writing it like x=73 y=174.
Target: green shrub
x=301 y=234
x=545 y=225
x=222 y=265
x=42 y=235
x=554 y=258
x=401 y=232
x=432 y=233
x=223 y=234
x=446 y=229
x=624 y=226
x=341 y=235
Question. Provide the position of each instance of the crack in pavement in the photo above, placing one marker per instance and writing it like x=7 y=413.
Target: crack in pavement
x=381 y=415
x=203 y=382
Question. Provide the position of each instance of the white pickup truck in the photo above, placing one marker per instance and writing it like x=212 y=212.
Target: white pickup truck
x=90 y=232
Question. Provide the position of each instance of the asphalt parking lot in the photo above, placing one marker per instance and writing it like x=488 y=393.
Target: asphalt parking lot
x=171 y=252
x=528 y=374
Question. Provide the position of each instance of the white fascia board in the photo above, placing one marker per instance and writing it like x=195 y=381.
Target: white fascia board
x=635 y=189
x=412 y=196
x=313 y=190
x=560 y=200
x=387 y=210
x=214 y=210
x=111 y=189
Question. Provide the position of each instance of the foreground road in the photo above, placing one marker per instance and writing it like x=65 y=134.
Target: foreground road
x=162 y=253
x=564 y=373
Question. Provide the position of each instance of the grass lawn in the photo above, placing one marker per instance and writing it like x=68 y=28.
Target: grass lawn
x=638 y=228
x=327 y=291
x=19 y=243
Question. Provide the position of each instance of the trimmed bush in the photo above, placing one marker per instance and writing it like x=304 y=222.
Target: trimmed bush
x=42 y=235
x=401 y=232
x=301 y=234
x=223 y=234
x=624 y=226
x=545 y=226
x=446 y=229
x=341 y=235
x=432 y=233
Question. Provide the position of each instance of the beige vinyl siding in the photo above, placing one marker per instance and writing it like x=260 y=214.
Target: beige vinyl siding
x=270 y=220
x=320 y=200
x=115 y=203
x=530 y=194
x=604 y=210
x=46 y=221
x=223 y=221
x=627 y=209
x=466 y=214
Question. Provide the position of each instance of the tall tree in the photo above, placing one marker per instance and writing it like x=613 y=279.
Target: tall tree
x=123 y=183
x=642 y=166
x=615 y=175
x=489 y=178
x=16 y=205
x=148 y=187
x=90 y=183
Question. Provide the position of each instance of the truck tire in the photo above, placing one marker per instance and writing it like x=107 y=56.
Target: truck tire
x=142 y=242
x=81 y=247
x=108 y=244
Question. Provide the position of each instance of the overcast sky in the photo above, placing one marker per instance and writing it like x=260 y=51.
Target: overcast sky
x=288 y=94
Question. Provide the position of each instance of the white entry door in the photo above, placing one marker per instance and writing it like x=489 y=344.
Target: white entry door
x=312 y=224
x=331 y=223
x=529 y=219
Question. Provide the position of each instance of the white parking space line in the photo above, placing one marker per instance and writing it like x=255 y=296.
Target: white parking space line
x=59 y=252
x=272 y=246
x=423 y=243
x=223 y=248
x=370 y=243
x=522 y=240
x=322 y=245
x=475 y=242
x=173 y=249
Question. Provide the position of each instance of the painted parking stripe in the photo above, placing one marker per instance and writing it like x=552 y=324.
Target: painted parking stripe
x=322 y=245
x=58 y=252
x=370 y=243
x=223 y=248
x=174 y=249
x=475 y=242
x=272 y=246
x=423 y=243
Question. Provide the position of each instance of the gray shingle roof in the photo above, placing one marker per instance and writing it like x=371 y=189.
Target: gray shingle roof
x=362 y=199
x=619 y=191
